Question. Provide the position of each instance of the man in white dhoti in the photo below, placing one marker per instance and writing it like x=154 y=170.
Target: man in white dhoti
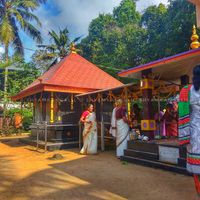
x=113 y=127
x=119 y=127
x=90 y=131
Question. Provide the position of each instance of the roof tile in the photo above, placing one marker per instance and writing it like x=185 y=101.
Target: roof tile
x=74 y=71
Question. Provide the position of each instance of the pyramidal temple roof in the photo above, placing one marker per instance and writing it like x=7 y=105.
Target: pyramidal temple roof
x=73 y=74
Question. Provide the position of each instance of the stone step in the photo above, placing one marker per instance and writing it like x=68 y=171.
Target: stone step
x=155 y=164
x=143 y=146
x=64 y=145
x=182 y=162
x=64 y=140
x=141 y=154
x=183 y=151
x=51 y=146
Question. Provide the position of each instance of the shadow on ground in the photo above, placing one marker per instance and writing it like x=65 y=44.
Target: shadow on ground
x=100 y=177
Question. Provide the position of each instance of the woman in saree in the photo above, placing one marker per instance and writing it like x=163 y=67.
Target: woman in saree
x=189 y=125
x=120 y=127
x=89 y=132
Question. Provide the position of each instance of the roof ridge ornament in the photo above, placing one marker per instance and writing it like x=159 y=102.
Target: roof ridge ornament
x=195 y=39
x=73 y=48
x=40 y=79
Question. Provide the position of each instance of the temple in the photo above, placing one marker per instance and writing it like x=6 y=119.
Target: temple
x=159 y=83
x=62 y=93
x=56 y=110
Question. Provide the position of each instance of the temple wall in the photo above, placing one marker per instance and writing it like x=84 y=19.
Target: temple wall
x=64 y=113
x=38 y=113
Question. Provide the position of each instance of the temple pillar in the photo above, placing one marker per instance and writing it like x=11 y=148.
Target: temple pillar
x=52 y=108
x=148 y=123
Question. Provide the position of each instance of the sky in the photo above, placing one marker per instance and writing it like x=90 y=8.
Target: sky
x=75 y=15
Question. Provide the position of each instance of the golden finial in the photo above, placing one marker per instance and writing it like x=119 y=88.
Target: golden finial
x=195 y=39
x=72 y=48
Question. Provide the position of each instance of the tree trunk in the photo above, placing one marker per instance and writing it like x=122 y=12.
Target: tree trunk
x=5 y=82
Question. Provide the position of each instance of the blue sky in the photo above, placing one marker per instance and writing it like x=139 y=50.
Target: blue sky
x=75 y=15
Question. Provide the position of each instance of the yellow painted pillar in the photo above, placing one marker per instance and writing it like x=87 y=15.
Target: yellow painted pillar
x=72 y=102
x=129 y=108
x=52 y=108
x=148 y=124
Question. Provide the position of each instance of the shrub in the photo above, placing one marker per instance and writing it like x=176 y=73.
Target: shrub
x=27 y=115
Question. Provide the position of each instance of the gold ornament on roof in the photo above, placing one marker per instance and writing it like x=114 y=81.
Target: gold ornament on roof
x=72 y=48
x=195 y=39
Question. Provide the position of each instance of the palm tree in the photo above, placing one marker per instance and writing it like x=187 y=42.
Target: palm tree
x=16 y=15
x=57 y=50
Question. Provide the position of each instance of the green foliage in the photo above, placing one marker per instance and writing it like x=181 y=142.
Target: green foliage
x=127 y=38
x=166 y=36
x=27 y=118
x=111 y=37
x=179 y=30
x=49 y=54
x=15 y=60
x=154 y=22
x=27 y=115
x=21 y=77
x=15 y=15
x=115 y=40
x=126 y=13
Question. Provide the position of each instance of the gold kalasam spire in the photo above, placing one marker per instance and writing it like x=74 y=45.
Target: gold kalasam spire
x=72 y=48
x=195 y=39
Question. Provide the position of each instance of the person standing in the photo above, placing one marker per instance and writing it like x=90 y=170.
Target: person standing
x=89 y=132
x=120 y=127
x=189 y=125
x=136 y=114
x=113 y=127
x=171 y=121
x=160 y=124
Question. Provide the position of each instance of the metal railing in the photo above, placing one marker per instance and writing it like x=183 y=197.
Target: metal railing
x=44 y=126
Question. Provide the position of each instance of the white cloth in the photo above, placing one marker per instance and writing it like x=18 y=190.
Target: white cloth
x=90 y=135
x=122 y=137
x=120 y=130
x=113 y=124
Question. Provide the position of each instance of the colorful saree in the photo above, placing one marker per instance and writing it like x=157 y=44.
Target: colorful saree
x=189 y=130
x=184 y=115
x=189 y=126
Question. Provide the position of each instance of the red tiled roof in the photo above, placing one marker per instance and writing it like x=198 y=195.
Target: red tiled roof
x=74 y=74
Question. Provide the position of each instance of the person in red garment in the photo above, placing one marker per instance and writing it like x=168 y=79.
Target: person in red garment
x=171 y=121
x=90 y=131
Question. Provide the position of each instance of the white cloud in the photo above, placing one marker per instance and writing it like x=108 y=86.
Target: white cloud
x=77 y=14
x=143 y=4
